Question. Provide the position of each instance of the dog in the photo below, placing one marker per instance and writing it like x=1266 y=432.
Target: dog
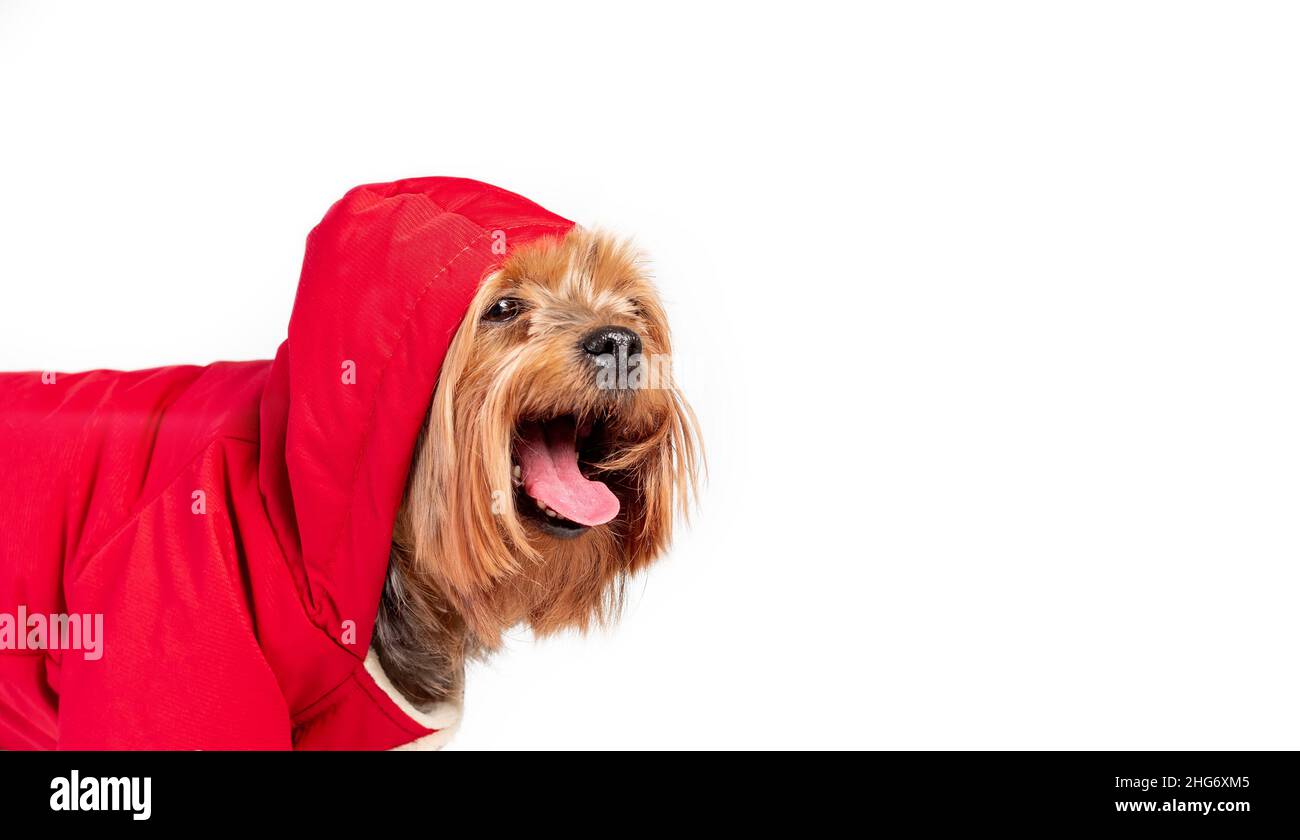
x=471 y=426
x=529 y=399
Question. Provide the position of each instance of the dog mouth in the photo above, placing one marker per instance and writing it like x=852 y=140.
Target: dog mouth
x=552 y=488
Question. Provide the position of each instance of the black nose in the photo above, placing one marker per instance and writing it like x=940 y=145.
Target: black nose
x=611 y=341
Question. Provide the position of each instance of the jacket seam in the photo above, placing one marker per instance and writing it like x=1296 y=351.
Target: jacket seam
x=84 y=565
x=406 y=722
x=310 y=713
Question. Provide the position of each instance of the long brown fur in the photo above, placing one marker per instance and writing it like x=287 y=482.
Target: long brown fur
x=465 y=566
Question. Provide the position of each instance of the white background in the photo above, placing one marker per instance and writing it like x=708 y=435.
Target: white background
x=989 y=312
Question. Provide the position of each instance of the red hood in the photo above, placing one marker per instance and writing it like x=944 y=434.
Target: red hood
x=387 y=277
x=231 y=523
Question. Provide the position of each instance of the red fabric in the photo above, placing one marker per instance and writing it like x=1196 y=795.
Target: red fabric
x=228 y=628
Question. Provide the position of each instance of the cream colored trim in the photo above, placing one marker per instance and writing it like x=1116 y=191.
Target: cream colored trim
x=444 y=717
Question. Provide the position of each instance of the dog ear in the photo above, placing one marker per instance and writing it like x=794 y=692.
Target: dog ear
x=462 y=522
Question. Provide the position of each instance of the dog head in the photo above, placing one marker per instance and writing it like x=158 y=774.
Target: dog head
x=557 y=448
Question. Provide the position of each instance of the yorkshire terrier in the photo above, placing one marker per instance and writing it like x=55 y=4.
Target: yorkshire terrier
x=545 y=475
x=233 y=528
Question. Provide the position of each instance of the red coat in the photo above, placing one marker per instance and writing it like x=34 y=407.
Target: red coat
x=231 y=523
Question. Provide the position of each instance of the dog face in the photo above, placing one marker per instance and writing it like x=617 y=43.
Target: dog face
x=557 y=447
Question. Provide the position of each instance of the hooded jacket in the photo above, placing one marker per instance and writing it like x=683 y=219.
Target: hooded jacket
x=228 y=527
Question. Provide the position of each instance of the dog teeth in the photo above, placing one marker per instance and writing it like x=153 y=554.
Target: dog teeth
x=545 y=508
x=518 y=471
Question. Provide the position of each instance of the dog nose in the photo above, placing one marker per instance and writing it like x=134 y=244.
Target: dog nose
x=611 y=340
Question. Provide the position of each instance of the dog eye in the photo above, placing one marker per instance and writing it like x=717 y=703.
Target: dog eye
x=506 y=309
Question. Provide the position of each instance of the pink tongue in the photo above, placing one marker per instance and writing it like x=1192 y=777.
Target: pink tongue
x=548 y=459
